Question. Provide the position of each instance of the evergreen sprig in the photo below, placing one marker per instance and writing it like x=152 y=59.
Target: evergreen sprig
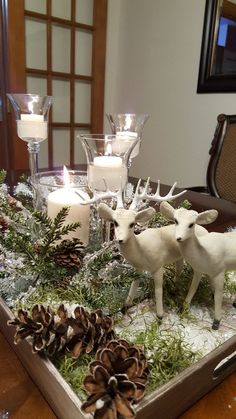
x=33 y=235
x=3 y=175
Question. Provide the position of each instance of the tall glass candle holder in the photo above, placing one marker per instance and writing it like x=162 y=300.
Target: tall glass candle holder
x=107 y=160
x=107 y=164
x=31 y=113
x=128 y=124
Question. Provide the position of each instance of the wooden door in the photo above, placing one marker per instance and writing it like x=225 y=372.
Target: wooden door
x=56 y=47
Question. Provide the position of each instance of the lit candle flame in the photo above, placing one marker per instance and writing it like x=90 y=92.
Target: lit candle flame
x=108 y=149
x=66 y=177
x=128 y=122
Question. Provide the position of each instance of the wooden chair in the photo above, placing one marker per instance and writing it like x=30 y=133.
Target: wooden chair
x=221 y=171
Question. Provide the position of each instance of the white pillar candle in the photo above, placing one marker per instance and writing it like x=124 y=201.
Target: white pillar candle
x=124 y=135
x=31 y=126
x=67 y=197
x=109 y=169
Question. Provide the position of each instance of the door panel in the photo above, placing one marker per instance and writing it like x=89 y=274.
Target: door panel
x=57 y=47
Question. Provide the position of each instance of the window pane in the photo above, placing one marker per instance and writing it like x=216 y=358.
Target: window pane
x=61 y=103
x=60 y=49
x=83 y=53
x=43 y=155
x=61 y=8
x=36 y=6
x=80 y=157
x=35 y=38
x=36 y=85
x=82 y=102
x=84 y=11
x=61 y=147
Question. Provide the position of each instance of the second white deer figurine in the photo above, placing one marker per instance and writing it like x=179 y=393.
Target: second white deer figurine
x=211 y=254
x=149 y=250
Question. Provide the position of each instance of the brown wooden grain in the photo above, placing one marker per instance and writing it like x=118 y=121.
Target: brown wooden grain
x=22 y=399
x=18 y=394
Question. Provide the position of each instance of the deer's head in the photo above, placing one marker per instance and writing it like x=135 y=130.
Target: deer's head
x=185 y=220
x=124 y=219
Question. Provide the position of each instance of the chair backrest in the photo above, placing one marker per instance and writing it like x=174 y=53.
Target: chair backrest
x=221 y=172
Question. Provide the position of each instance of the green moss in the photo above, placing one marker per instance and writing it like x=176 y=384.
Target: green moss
x=74 y=371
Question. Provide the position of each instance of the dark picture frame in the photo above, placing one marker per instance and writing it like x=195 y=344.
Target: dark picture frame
x=207 y=81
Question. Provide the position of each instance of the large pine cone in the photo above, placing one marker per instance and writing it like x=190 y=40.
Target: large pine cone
x=115 y=381
x=51 y=332
x=48 y=333
x=90 y=331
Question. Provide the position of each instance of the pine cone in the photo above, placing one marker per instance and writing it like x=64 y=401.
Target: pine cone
x=69 y=253
x=90 y=331
x=14 y=203
x=51 y=332
x=3 y=223
x=115 y=381
x=48 y=334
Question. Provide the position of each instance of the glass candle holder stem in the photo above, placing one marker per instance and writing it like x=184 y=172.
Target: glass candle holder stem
x=33 y=149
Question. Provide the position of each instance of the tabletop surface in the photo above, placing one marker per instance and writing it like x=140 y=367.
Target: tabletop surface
x=22 y=399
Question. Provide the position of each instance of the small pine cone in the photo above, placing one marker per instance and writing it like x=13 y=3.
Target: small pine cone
x=69 y=253
x=14 y=203
x=89 y=331
x=62 y=283
x=116 y=379
x=4 y=224
x=47 y=331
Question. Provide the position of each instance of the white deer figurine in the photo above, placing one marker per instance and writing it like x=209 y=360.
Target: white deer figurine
x=211 y=254
x=149 y=250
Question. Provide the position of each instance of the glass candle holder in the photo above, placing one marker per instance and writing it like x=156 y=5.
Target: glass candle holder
x=53 y=191
x=128 y=124
x=31 y=113
x=107 y=160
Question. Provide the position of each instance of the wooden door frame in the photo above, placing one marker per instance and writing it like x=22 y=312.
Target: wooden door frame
x=15 y=82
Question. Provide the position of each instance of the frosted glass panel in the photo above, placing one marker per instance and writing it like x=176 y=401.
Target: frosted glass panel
x=84 y=11
x=83 y=53
x=43 y=155
x=82 y=102
x=36 y=85
x=60 y=49
x=35 y=36
x=36 y=6
x=61 y=8
x=79 y=154
x=61 y=147
x=61 y=103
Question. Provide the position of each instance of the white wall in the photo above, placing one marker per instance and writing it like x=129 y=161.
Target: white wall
x=153 y=52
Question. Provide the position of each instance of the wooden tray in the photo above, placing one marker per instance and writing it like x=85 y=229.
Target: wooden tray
x=168 y=401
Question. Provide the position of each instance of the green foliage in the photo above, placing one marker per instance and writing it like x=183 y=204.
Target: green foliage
x=3 y=175
x=74 y=371
x=34 y=236
x=166 y=352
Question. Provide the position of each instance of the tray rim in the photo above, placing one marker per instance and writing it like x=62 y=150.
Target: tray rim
x=159 y=400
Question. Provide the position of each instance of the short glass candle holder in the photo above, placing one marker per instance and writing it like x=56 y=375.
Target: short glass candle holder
x=107 y=160
x=52 y=193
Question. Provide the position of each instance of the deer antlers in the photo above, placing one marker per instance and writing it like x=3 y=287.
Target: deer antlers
x=138 y=196
x=155 y=197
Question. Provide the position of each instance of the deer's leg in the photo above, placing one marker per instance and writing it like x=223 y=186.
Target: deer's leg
x=179 y=264
x=193 y=287
x=132 y=292
x=158 y=282
x=218 y=282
